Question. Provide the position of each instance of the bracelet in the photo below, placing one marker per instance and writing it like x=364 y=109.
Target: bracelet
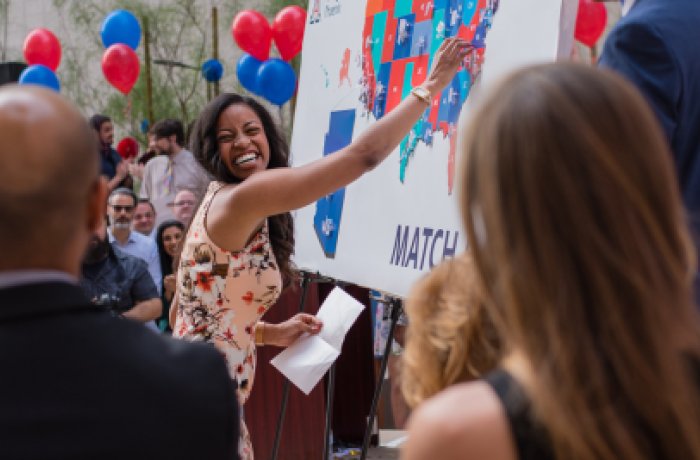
x=260 y=333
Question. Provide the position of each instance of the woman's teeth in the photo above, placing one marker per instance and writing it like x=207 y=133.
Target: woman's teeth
x=245 y=158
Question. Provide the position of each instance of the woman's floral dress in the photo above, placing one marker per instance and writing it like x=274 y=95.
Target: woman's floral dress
x=222 y=294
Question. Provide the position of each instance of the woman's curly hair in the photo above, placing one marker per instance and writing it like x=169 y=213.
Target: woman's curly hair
x=205 y=148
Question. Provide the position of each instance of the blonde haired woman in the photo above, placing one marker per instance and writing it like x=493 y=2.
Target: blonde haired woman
x=580 y=240
x=450 y=339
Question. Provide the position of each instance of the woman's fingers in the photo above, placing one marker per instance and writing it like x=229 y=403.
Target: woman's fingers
x=310 y=323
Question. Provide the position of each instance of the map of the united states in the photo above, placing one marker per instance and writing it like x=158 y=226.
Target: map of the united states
x=399 y=40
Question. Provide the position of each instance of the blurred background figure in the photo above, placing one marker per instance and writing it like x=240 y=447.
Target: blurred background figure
x=119 y=282
x=655 y=47
x=145 y=218
x=168 y=239
x=172 y=170
x=184 y=206
x=120 y=208
x=111 y=164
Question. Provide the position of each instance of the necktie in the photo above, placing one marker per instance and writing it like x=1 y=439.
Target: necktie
x=168 y=179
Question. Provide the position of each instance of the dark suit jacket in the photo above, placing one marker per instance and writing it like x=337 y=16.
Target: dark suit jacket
x=657 y=47
x=77 y=383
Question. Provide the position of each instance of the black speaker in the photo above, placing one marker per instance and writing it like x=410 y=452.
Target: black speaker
x=10 y=71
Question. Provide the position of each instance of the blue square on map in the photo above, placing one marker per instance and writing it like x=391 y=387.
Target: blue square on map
x=453 y=17
x=422 y=36
x=381 y=90
x=426 y=130
x=450 y=104
x=465 y=85
x=479 y=40
x=329 y=209
x=404 y=36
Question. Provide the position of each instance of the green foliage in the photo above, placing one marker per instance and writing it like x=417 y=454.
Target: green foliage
x=179 y=31
x=271 y=7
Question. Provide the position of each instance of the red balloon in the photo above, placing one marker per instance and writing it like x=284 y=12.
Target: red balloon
x=288 y=31
x=120 y=66
x=590 y=22
x=128 y=148
x=42 y=47
x=252 y=33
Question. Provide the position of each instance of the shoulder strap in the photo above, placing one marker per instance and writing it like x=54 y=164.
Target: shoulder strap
x=531 y=439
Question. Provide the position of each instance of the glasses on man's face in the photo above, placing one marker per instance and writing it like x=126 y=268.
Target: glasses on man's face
x=180 y=204
x=120 y=208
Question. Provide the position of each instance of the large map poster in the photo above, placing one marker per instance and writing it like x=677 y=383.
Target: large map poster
x=360 y=59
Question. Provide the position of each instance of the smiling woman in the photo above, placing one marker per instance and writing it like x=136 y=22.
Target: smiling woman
x=236 y=255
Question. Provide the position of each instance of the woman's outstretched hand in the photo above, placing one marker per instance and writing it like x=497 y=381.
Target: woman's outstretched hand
x=284 y=334
x=447 y=61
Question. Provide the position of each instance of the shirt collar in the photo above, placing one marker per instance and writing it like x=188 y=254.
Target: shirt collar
x=22 y=277
x=627 y=6
x=130 y=239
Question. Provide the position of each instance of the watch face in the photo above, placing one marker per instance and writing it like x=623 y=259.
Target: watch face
x=422 y=92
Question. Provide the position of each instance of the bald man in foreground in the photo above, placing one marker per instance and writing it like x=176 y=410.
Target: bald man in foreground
x=76 y=382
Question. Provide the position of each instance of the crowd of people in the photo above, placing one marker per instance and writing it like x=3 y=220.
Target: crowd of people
x=568 y=329
x=151 y=202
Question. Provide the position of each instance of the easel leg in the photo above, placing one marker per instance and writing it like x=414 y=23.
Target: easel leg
x=305 y=280
x=395 y=306
x=327 y=447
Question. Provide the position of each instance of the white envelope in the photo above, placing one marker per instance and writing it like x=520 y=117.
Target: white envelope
x=306 y=361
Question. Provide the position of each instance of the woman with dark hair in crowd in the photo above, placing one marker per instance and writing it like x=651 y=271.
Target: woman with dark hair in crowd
x=236 y=255
x=575 y=222
x=168 y=237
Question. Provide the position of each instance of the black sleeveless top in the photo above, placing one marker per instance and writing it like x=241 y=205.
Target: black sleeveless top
x=531 y=440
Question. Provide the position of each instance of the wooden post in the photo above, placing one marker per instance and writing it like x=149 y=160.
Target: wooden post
x=149 y=83
x=215 y=41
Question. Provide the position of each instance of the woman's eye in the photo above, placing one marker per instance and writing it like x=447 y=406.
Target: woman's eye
x=225 y=139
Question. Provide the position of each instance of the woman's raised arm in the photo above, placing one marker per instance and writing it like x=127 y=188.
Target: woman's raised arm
x=279 y=190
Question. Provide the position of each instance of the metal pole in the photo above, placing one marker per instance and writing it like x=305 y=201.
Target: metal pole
x=149 y=83
x=329 y=413
x=215 y=41
x=395 y=306
x=305 y=280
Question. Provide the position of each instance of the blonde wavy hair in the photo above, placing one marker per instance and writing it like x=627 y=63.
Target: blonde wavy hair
x=450 y=338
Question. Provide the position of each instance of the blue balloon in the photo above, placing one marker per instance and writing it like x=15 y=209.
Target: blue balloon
x=39 y=74
x=212 y=70
x=120 y=26
x=247 y=72
x=144 y=126
x=276 y=81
